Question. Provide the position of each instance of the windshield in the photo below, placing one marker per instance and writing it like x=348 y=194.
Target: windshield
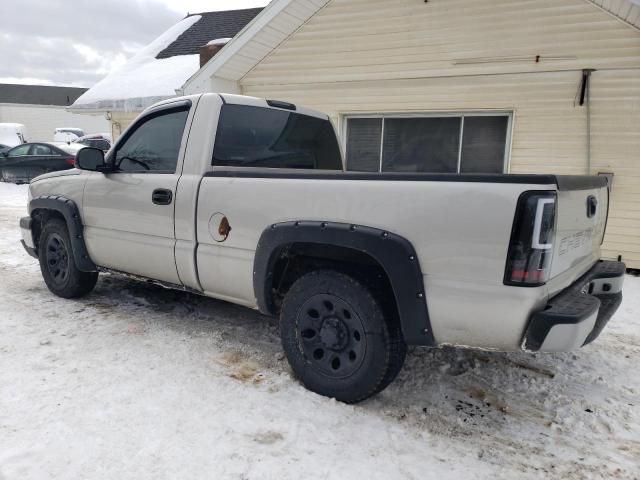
x=264 y=137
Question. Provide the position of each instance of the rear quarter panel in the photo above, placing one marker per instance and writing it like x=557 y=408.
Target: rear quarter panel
x=459 y=230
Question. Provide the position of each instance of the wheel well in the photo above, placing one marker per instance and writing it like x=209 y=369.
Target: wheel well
x=41 y=216
x=297 y=259
x=385 y=262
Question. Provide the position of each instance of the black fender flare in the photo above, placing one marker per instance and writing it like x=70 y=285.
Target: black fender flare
x=69 y=210
x=394 y=253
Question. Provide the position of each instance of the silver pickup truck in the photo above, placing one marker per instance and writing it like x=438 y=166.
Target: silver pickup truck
x=246 y=200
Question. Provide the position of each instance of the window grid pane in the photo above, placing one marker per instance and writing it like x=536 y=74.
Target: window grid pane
x=484 y=144
x=427 y=144
x=364 y=144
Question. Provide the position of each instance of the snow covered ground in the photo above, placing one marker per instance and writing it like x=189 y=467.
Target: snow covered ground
x=137 y=382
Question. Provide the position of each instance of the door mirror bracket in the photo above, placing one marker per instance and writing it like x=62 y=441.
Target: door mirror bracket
x=105 y=168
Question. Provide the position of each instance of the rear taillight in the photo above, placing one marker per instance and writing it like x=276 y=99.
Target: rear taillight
x=71 y=161
x=531 y=247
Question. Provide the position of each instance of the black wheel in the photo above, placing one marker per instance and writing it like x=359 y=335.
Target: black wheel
x=337 y=339
x=57 y=264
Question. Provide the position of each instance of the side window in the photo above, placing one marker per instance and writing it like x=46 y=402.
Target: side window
x=42 y=150
x=153 y=147
x=20 y=151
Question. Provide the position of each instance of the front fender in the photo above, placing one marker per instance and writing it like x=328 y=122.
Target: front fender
x=69 y=210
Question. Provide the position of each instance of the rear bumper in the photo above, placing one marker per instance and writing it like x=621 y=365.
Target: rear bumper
x=578 y=315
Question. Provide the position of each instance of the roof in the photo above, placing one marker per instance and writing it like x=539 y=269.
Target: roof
x=163 y=66
x=211 y=26
x=626 y=10
x=281 y=18
x=277 y=21
x=39 y=95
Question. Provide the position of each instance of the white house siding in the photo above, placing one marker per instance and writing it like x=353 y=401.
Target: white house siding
x=120 y=121
x=376 y=56
x=42 y=120
x=376 y=39
x=616 y=148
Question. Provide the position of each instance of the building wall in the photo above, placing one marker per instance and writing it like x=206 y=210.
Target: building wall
x=374 y=56
x=359 y=40
x=616 y=148
x=42 y=120
x=120 y=121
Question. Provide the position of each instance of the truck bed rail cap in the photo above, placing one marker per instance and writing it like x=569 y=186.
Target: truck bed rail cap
x=561 y=182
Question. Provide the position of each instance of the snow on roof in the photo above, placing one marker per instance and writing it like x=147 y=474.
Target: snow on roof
x=144 y=79
x=219 y=41
x=218 y=24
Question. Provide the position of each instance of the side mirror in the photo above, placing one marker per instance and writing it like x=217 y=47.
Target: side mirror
x=91 y=159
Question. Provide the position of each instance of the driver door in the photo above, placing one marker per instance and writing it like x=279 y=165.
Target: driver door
x=129 y=213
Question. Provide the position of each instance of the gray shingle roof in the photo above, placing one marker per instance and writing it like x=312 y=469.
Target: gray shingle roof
x=212 y=26
x=38 y=94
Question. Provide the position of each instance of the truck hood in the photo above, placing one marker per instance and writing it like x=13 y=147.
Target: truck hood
x=60 y=173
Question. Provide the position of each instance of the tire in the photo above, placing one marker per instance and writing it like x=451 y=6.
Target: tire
x=57 y=264
x=337 y=339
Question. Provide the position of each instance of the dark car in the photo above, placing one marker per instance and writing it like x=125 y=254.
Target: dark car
x=23 y=163
x=4 y=148
x=99 y=141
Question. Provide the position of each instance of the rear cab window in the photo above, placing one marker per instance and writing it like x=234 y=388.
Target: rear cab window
x=250 y=136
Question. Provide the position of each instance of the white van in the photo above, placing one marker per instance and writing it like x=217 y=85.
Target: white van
x=12 y=134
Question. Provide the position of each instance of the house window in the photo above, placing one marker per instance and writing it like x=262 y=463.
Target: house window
x=475 y=143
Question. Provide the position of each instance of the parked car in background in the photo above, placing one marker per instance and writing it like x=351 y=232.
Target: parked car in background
x=67 y=134
x=23 y=163
x=100 y=141
x=71 y=148
x=12 y=134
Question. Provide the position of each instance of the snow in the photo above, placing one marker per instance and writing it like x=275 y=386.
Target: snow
x=138 y=382
x=219 y=41
x=144 y=79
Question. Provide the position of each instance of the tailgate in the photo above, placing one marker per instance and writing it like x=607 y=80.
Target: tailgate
x=581 y=218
